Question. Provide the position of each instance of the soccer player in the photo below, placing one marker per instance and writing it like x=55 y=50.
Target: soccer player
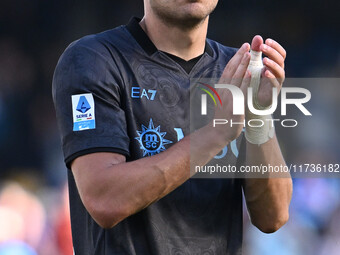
x=122 y=104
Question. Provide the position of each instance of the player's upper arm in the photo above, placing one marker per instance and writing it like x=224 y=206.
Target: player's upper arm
x=87 y=92
x=91 y=172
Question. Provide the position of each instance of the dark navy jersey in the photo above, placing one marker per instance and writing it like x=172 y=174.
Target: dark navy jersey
x=115 y=92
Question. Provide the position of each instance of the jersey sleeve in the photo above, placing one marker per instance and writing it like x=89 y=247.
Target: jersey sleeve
x=87 y=94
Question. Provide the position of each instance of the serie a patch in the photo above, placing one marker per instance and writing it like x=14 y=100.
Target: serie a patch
x=83 y=112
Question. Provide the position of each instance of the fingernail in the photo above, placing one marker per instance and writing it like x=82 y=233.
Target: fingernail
x=244 y=46
x=264 y=47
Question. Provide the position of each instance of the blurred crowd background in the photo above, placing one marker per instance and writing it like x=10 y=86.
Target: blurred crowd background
x=34 y=217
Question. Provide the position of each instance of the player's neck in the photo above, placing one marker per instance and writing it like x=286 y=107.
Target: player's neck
x=186 y=44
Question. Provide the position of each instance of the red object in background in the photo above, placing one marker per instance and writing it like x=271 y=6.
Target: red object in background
x=63 y=226
x=64 y=236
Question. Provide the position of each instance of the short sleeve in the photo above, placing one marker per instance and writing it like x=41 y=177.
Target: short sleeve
x=87 y=94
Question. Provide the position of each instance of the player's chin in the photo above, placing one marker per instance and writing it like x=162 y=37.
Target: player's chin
x=194 y=18
x=189 y=22
x=200 y=9
x=194 y=15
x=197 y=8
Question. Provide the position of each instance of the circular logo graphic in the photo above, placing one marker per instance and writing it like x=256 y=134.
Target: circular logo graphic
x=151 y=139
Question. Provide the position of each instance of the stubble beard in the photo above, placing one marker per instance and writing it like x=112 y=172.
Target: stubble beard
x=185 y=22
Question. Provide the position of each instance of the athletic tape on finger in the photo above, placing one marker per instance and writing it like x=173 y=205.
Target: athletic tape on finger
x=262 y=134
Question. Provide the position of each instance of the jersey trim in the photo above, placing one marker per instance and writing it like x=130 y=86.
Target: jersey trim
x=69 y=159
x=140 y=36
x=186 y=65
x=144 y=41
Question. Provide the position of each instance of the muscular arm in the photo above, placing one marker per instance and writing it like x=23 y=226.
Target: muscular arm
x=112 y=189
x=268 y=198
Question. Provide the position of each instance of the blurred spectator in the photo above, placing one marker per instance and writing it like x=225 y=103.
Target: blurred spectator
x=26 y=216
x=26 y=227
x=16 y=248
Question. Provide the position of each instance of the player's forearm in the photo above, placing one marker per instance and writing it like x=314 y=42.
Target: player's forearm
x=268 y=198
x=127 y=188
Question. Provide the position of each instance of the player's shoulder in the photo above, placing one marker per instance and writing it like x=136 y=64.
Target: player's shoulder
x=92 y=54
x=99 y=43
x=88 y=58
x=222 y=50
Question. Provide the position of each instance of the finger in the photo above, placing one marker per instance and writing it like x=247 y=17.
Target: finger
x=273 y=54
x=273 y=80
x=241 y=70
x=245 y=83
x=233 y=64
x=275 y=45
x=256 y=43
x=274 y=67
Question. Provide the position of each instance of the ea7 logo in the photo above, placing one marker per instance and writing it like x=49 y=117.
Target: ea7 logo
x=238 y=100
x=137 y=92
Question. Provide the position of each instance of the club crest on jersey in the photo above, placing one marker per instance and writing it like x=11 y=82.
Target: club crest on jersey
x=151 y=139
x=83 y=112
